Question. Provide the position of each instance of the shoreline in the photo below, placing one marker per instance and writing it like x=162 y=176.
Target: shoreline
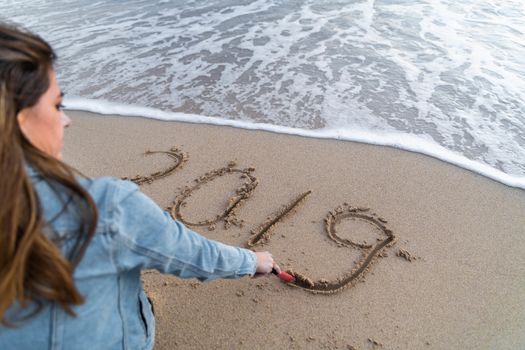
x=404 y=142
x=460 y=286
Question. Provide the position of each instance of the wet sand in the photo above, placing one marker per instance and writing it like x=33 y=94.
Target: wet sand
x=391 y=249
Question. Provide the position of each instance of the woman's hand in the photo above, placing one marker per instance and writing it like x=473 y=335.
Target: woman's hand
x=265 y=263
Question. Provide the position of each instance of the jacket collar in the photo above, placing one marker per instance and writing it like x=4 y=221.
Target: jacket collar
x=31 y=171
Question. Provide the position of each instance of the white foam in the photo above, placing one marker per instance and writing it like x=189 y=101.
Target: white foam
x=451 y=73
x=402 y=141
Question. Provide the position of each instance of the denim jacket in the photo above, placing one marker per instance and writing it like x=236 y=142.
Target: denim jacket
x=132 y=234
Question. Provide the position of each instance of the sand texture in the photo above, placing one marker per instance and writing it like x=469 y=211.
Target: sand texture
x=390 y=249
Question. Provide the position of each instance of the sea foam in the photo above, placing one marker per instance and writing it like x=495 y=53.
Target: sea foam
x=444 y=71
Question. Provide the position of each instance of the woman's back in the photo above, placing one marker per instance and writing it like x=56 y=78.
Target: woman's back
x=132 y=233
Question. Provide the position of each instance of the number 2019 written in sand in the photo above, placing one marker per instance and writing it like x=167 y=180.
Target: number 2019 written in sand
x=263 y=232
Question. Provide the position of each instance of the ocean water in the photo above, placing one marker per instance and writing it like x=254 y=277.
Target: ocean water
x=440 y=77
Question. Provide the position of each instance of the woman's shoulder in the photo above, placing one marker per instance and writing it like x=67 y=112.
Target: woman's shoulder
x=107 y=191
x=108 y=194
x=103 y=185
x=99 y=188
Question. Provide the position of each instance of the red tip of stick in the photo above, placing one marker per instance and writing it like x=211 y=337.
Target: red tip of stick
x=286 y=277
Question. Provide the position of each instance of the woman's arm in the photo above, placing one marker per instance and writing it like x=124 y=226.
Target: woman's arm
x=145 y=236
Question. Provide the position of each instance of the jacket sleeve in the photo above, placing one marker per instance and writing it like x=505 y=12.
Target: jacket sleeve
x=147 y=237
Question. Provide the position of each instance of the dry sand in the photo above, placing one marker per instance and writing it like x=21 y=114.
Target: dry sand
x=453 y=279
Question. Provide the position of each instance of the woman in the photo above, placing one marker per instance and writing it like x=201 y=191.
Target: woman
x=72 y=248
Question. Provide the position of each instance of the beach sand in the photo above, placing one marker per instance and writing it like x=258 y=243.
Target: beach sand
x=459 y=282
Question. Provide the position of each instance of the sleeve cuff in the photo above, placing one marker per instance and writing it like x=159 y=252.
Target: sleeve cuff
x=250 y=267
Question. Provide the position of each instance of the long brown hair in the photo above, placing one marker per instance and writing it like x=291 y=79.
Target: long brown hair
x=33 y=269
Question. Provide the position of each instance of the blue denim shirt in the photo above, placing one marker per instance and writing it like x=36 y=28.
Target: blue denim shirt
x=132 y=234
